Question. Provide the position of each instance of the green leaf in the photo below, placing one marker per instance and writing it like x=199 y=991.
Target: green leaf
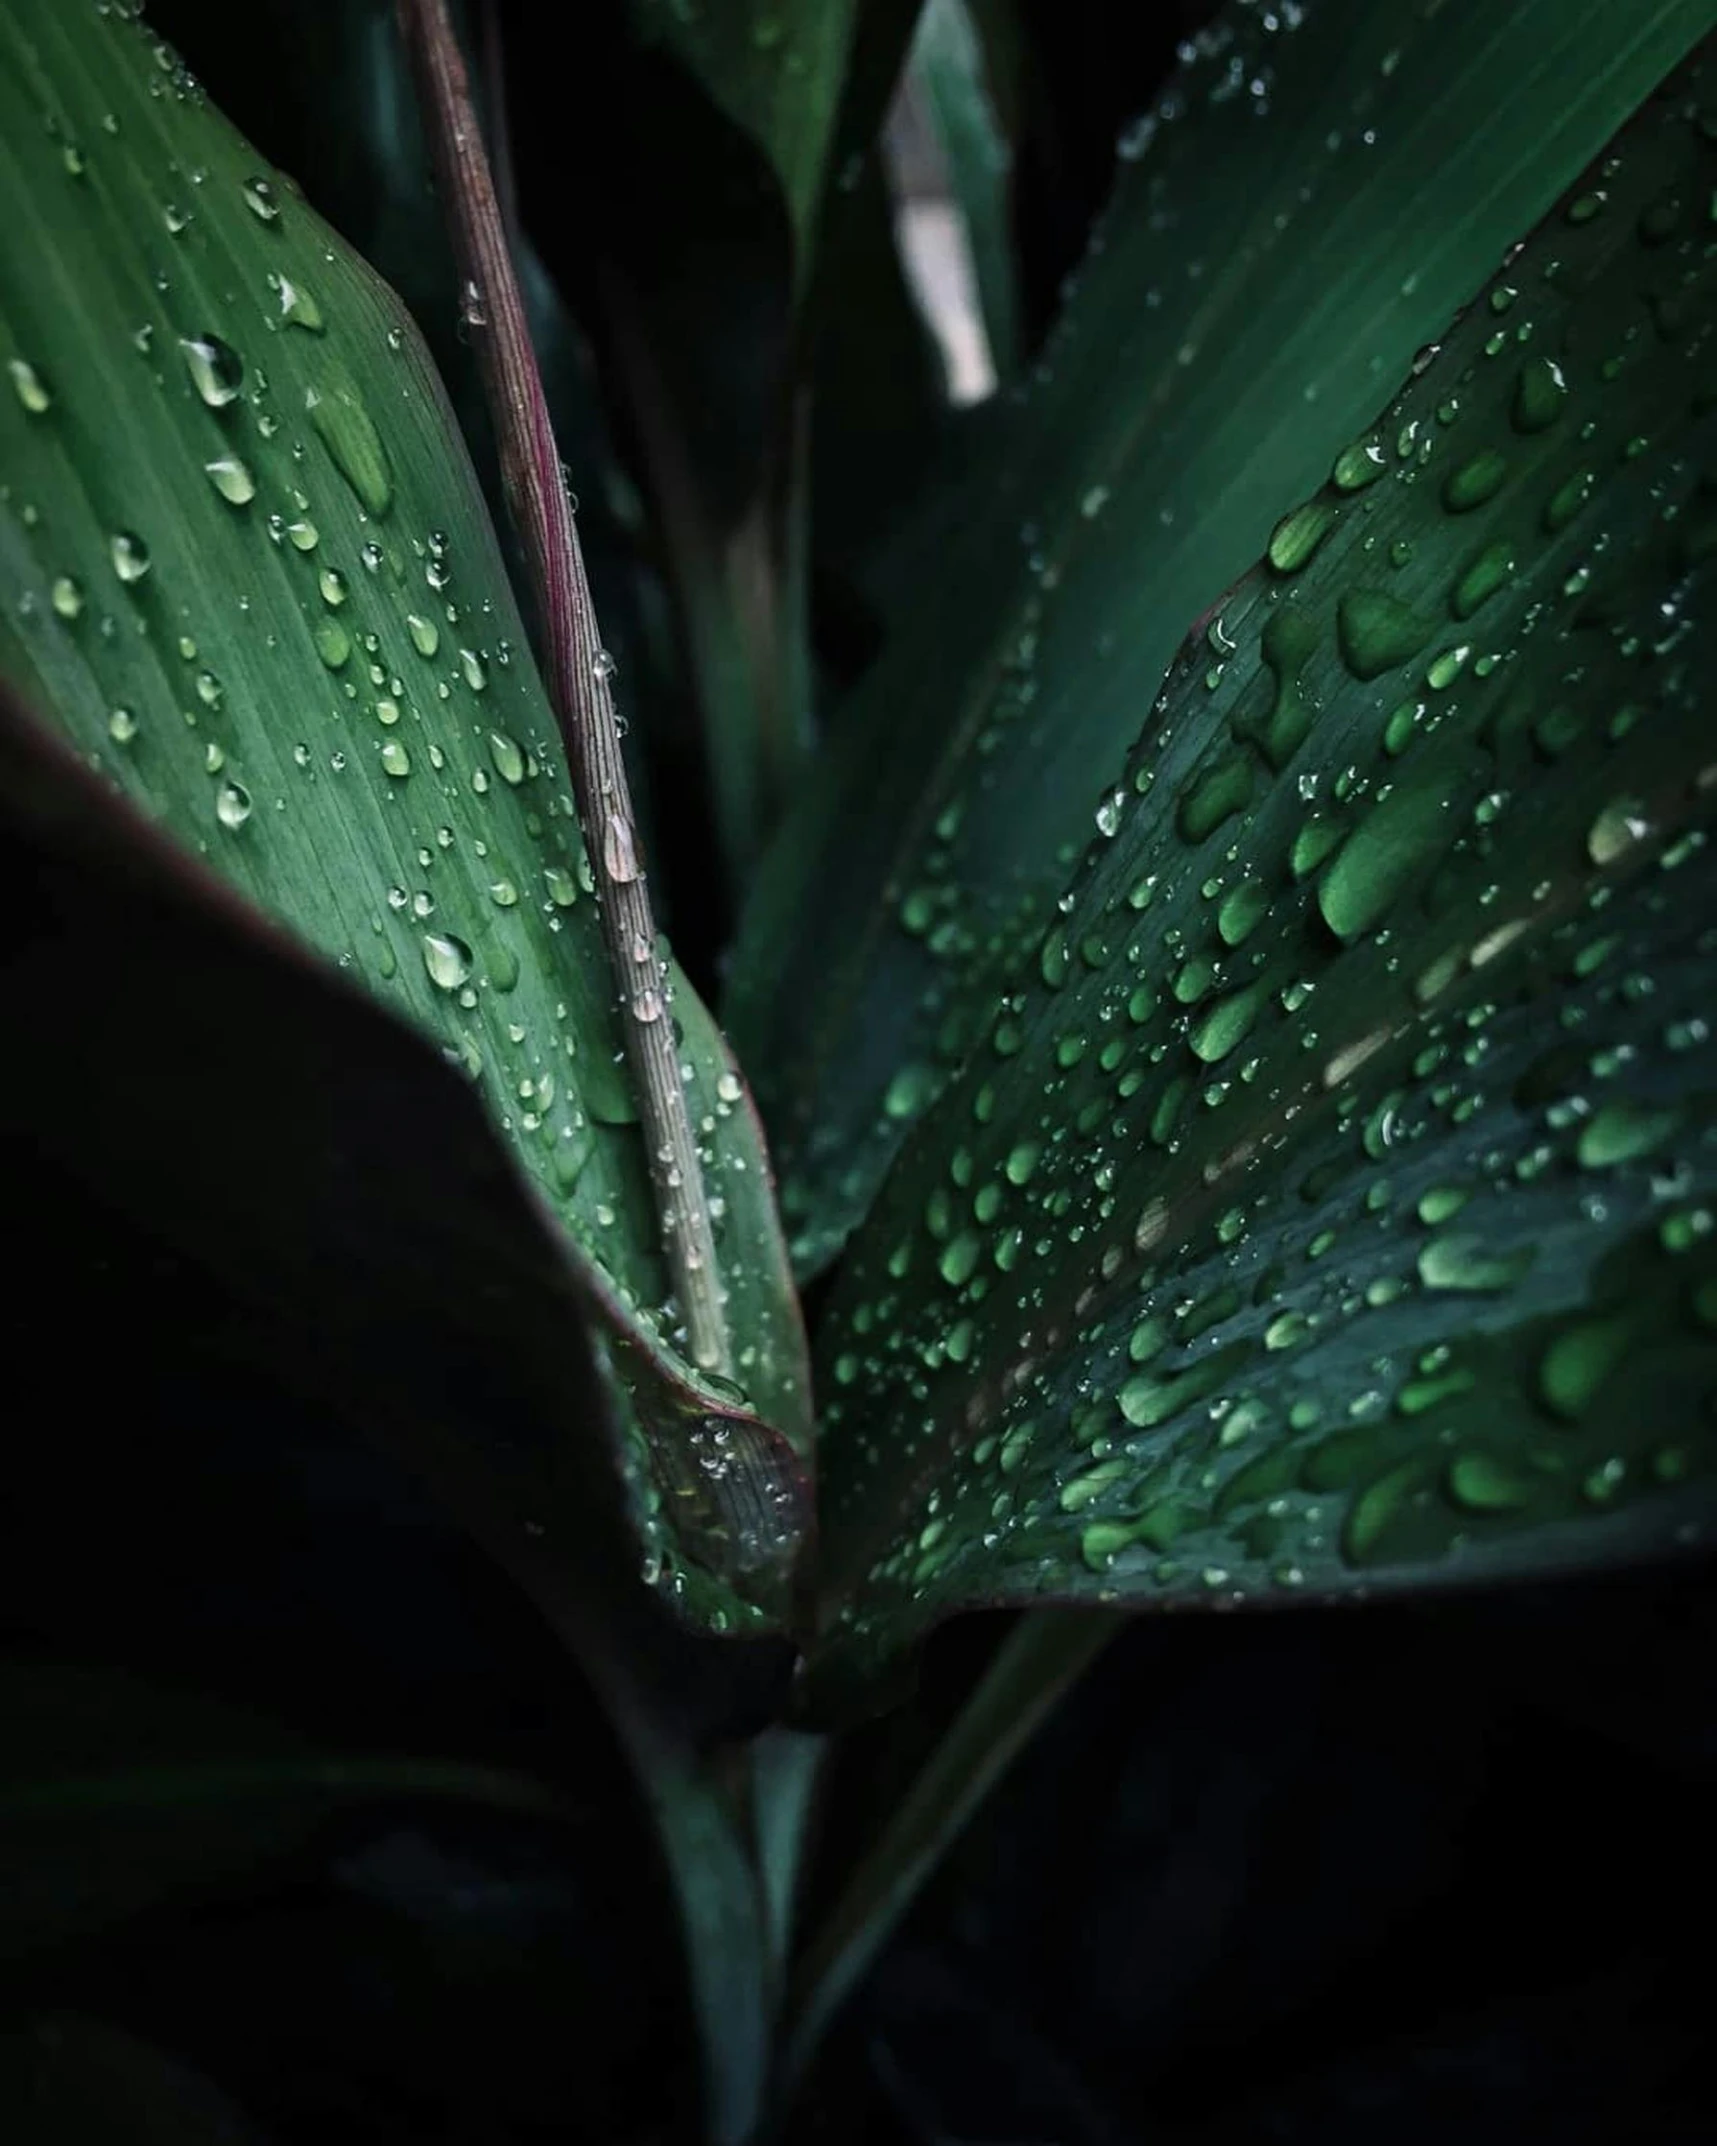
x=946 y=81
x=245 y=567
x=777 y=68
x=1041 y=1658
x=338 y=111
x=1336 y=1176
x=1272 y=259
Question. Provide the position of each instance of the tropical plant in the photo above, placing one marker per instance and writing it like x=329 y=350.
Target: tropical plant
x=1241 y=1090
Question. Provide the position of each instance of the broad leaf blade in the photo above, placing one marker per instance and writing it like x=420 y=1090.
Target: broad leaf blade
x=1335 y=1180
x=247 y=570
x=1311 y=204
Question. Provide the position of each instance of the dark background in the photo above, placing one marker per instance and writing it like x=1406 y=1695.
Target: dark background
x=1419 y=1873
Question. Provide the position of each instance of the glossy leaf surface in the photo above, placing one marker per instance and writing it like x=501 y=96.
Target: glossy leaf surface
x=1319 y=192
x=1336 y=1178
x=246 y=570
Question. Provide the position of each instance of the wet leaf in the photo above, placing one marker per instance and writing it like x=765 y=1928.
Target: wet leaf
x=1318 y=193
x=1339 y=1170
x=244 y=567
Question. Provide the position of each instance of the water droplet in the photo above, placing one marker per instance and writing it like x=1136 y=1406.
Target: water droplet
x=347 y=430
x=425 y=635
x=1622 y=1132
x=260 y=199
x=602 y=664
x=1382 y=854
x=447 y=959
x=619 y=849
x=1225 y=1026
x=395 y=760
x=297 y=308
x=216 y=369
x=29 y=386
x=1297 y=535
x=1482 y=576
x=1378 y=631
x=1484 y=1484
x=1618 y=827
x=130 y=555
x=1463 y=1260
x=333 y=643
x=1477 y=480
x=508 y=758
x=1539 y=395
x=909 y=1091
x=561 y=887
x=66 y=596
x=232 y=479
x=232 y=804
x=1578 y=1361
x=122 y=726
x=1358 y=465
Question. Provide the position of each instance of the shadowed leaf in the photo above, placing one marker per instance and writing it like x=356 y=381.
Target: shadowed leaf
x=246 y=571
x=66 y=2079
x=1336 y=1176
x=1317 y=194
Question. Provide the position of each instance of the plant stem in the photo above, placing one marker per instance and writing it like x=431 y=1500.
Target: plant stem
x=1044 y=1654
x=578 y=669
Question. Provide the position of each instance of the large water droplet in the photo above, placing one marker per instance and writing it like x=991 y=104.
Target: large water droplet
x=1297 y=535
x=1388 y=847
x=216 y=369
x=232 y=804
x=261 y=200
x=1618 y=827
x=447 y=959
x=232 y=479
x=1464 y=1261
x=130 y=555
x=348 y=432
x=1377 y=631
x=297 y=308
x=619 y=849
x=29 y=386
